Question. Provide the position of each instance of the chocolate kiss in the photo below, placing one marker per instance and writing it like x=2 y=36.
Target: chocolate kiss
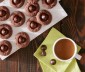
x=4 y=31
x=2 y=13
x=21 y=39
x=31 y=8
x=44 y=17
x=49 y=1
x=3 y=48
x=16 y=1
x=17 y=19
x=33 y=25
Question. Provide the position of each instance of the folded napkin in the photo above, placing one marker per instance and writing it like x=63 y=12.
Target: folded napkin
x=70 y=66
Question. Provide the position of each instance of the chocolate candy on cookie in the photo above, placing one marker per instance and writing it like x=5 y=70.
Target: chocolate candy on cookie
x=33 y=25
x=17 y=18
x=4 y=13
x=32 y=9
x=44 y=17
x=5 y=31
x=22 y=39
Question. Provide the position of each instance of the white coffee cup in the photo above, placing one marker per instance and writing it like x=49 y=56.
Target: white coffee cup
x=75 y=55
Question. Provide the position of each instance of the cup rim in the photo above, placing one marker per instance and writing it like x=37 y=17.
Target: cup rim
x=74 y=51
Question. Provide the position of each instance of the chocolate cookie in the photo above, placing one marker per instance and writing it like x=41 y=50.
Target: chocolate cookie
x=32 y=9
x=33 y=25
x=5 y=31
x=5 y=48
x=22 y=40
x=17 y=18
x=4 y=13
x=17 y=3
x=44 y=17
x=49 y=3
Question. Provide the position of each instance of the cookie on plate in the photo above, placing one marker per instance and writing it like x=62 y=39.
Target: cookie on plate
x=44 y=17
x=22 y=39
x=32 y=9
x=4 y=13
x=49 y=3
x=17 y=3
x=5 y=48
x=5 y=31
x=33 y=25
x=17 y=18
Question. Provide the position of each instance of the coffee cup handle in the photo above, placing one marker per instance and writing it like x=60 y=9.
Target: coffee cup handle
x=78 y=57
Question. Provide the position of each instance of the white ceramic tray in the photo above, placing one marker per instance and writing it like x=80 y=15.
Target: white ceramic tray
x=57 y=12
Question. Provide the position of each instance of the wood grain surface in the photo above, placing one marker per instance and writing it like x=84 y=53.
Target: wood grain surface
x=72 y=26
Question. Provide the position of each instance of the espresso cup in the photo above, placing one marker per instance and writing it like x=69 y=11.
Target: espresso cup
x=65 y=49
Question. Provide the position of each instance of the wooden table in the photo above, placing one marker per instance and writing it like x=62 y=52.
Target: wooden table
x=72 y=26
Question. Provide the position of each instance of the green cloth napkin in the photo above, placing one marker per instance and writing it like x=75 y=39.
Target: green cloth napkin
x=69 y=66
x=73 y=67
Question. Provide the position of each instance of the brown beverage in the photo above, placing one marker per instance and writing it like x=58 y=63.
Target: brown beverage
x=64 y=49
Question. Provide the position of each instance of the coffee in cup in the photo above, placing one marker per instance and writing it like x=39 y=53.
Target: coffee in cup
x=65 y=49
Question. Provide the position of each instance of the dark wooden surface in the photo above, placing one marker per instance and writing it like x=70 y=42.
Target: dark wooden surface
x=72 y=26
